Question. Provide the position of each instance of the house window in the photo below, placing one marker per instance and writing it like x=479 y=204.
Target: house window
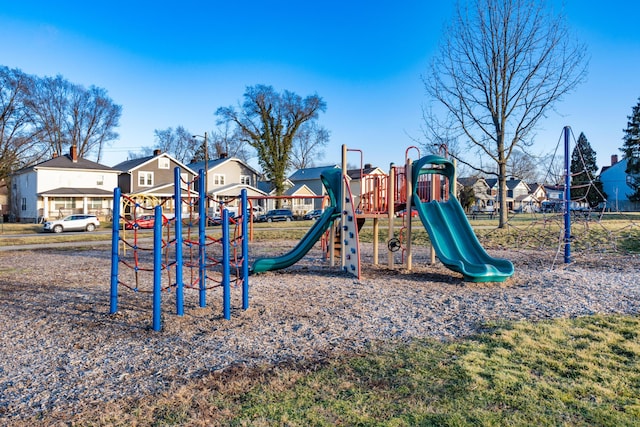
x=94 y=203
x=245 y=179
x=163 y=163
x=218 y=179
x=184 y=181
x=145 y=179
x=100 y=180
x=63 y=203
x=24 y=203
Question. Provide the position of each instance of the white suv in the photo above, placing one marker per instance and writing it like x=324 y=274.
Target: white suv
x=73 y=223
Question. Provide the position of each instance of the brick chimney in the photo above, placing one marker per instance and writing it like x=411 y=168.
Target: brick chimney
x=73 y=153
x=157 y=152
x=614 y=159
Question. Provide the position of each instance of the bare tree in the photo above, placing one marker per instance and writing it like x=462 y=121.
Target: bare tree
x=522 y=165
x=176 y=142
x=308 y=144
x=269 y=121
x=18 y=137
x=227 y=140
x=502 y=66
x=67 y=114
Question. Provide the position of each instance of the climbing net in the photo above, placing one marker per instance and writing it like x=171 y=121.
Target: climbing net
x=203 y=253
x=135 y=242
x=180 y=246
x=593 y=228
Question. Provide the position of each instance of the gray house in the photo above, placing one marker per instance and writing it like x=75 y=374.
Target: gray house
x=311 y=178
x=150 y=180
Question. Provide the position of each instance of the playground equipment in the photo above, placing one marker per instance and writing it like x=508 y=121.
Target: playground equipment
x=404 y=188
x=431 y=192
x=332 y=180
x=451 y=235
x=213 y=268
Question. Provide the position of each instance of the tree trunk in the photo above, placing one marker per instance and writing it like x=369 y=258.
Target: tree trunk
x=502 y=194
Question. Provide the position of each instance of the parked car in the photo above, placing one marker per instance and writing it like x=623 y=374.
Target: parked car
x=276 y=215
x=314 y=214
x=144 y=221
x=403 y=213
x=257 y=212
x=79 y=222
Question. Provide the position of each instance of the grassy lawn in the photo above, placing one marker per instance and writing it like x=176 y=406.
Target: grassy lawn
x=578 y=372
x=614 y=232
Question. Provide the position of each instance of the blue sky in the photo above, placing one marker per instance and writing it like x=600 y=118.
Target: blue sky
x=175 y=64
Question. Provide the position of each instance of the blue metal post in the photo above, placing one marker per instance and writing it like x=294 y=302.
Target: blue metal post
x=245 y=248
x=567 y=198
x=157 y=268
x=202 y=238
x=178 y=241
x=115 y=259
x=226 y=286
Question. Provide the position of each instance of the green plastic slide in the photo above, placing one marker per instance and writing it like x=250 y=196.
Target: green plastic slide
x=453 y=239
x=331 y=178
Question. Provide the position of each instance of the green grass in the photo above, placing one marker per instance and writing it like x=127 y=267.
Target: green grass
x=578 y=372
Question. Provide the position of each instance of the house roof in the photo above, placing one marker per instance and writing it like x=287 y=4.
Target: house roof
x=74 y=192
x=470 y=181
x=65 y=162
x=212 y=164
x=310 y=173
x=268 y=187
x=355 y=173
x=234 y=190
x=296 y=188
x=607 y=169
x=133 y=164
x=511 y=183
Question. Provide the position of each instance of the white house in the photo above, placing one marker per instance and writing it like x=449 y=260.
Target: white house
x=62 y=186
x=517 y=192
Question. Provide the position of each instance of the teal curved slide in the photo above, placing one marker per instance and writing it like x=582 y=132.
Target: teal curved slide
x=452 y=237
x=332 y=179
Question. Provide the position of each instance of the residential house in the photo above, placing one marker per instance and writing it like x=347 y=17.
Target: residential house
x=481 y=191
x=62 y=186
x=4 y=201
x=226 y=177
x=150 y=181
x=369 y=188
x=533 y=202
x=297 y=197
x=311 y=178
x=517 y=192
x=554 y=201
x=615 y=183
